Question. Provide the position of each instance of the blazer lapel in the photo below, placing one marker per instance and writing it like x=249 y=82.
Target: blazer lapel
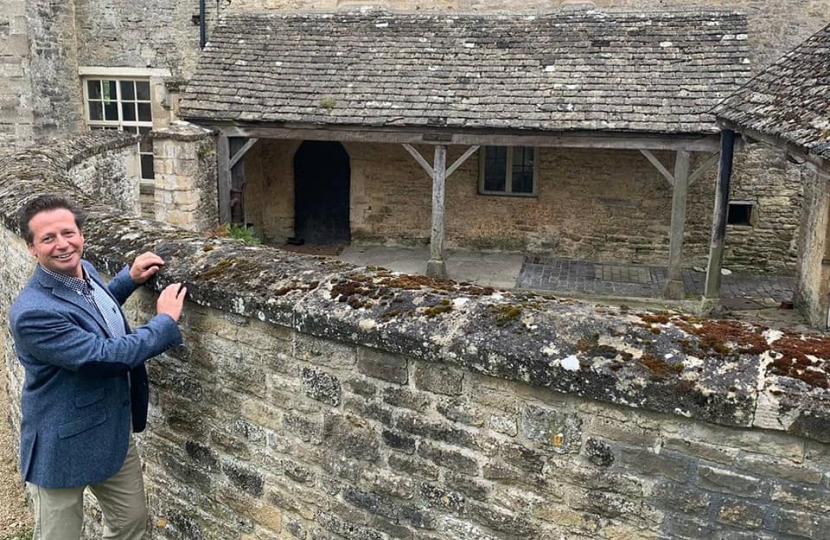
x=65 y=293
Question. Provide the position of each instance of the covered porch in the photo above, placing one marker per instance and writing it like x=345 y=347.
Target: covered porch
x=432 y=85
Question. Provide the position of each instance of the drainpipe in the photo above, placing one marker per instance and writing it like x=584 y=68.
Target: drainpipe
x=202 y=25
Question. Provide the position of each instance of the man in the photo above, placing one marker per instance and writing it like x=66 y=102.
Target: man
x=86 y=386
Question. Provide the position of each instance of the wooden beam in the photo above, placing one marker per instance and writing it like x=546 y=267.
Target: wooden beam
x=223 y=151
x=242 y=151
x=711 y=295
x=420 y=159
x=659 y=166
x=460 y=161
x=705 y=166
x=576 y=139
x=673 y=288
x=436 y=266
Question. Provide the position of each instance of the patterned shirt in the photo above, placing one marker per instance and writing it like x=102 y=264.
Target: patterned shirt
x=97 y=298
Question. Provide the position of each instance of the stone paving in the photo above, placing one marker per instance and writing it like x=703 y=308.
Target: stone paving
x=567 y=275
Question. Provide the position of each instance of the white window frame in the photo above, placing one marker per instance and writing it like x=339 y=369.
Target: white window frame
x=508 y=183
x=120 y=123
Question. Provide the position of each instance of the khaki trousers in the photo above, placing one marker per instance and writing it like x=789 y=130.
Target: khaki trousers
x=59 y=513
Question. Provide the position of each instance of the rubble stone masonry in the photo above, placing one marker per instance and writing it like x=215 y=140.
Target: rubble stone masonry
x=314 y=400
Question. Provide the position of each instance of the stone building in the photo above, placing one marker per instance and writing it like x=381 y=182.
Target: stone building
x=788 y=106
x=82 y=64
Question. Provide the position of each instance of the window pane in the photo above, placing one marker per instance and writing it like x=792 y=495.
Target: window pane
x=110 y=91
x=111 y=110
x=522 y=169
x=147 y=166
x=142 y=89
x=495 y=168
x=144 y=114
x=127 y=91
x=146 y=144
x=96 y=110
x=93 y=88
x=128 y=112
x=130 y=129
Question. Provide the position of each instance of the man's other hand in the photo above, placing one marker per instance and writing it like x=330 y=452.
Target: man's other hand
x=171 y=300
x=145 y=266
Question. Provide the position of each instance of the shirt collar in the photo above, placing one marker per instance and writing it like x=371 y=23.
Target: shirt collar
x=80 y=286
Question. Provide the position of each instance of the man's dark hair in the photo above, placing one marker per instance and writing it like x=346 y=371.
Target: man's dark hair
x=45 y=203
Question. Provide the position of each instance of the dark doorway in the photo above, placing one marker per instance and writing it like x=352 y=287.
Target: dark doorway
x=321 y=193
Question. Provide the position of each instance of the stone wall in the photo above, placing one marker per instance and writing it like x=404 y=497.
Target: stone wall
x=627 y=199
x=185 y=192
x=158 y=34
x=53 y=67
x=16 y=119
x=316 y=400
x=813 y=285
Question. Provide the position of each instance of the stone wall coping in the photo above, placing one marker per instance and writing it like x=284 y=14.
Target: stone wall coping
x=720 y=371
x=181 y=131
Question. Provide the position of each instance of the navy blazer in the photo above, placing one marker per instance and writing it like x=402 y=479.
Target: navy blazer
x=84 y=388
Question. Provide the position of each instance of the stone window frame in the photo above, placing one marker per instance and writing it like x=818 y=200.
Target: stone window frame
x=508 y=181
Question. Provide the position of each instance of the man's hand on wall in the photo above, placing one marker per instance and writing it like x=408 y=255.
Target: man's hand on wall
x=145 y=266
x=171 y=300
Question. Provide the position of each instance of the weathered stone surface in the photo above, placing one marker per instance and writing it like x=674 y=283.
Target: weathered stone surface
x=322 y=386
x=247 y=435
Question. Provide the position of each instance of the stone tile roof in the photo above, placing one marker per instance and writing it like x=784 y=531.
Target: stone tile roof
x=597 y=70
x=790 y=99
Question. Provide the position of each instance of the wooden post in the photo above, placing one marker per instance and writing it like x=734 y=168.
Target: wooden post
x=436 y=266
x=711 y=294
x=673 y=288
x=223 y=157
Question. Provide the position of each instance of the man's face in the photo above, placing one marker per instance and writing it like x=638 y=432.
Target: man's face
x=57 y=243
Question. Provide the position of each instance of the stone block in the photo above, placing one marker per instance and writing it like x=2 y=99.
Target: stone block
x=351 y=436
x=726 y=481
x=709 y=452
x=202 y=455
x=784 y=469
x=448 y=458
x=244 y=478
x=809 y=498
x=438 y=379
x=324 y=352
x=599 y=452
x=413 y=466
x=472 y=488
x=306 y=427
x=740 y=513
x=460 y=409
x=339 y=526
x=322 y=386
x=407 y=399
x=383 y=366
x=361 y=387
x=803 y=524
x=688 y=528
x=568 y=518
x=500 y=520
x=398 y=441
x=371 y=502
x=504 y=424
x=557 y=430
x=369 y=409
x=681 y=498
x=438 y=497
x=667 y=464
